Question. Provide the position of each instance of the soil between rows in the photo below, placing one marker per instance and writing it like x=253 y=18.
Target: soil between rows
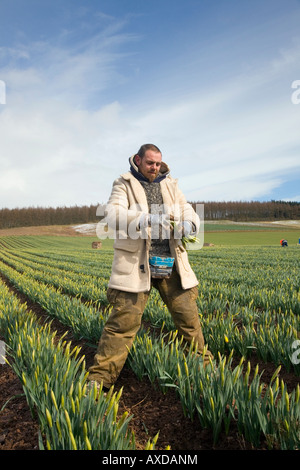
x=151 y=410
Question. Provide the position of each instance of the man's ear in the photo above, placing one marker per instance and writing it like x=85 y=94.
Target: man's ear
x=137 y=160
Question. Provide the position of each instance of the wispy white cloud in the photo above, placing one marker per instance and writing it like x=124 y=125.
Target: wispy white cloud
x=240 y=142
x=65 y=137
x=55 y=154
x=67 y=68
x=55 y=135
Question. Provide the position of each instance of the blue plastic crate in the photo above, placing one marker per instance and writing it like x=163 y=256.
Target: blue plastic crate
x=161 y=261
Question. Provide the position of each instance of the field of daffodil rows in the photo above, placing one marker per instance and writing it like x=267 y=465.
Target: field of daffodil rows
x=249 y=307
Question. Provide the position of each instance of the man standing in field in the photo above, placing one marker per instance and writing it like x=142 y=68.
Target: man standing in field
x=143 y=204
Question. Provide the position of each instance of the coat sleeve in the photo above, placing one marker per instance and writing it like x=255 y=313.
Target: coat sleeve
x=120 y=215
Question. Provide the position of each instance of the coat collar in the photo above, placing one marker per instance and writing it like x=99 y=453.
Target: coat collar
x=168 y=190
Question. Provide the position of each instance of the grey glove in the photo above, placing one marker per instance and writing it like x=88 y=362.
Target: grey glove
x=184 y=229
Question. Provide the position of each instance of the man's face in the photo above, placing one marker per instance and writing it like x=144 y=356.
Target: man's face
x=150 y=164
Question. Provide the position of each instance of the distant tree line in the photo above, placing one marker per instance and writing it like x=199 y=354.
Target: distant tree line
x=239 y=211
x=33 y=216
x=236 y=211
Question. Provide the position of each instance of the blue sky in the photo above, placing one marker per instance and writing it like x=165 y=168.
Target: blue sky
x=84 y=83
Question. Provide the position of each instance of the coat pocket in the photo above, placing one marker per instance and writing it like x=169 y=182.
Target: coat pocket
x=182 y=257
x=126 y=256
x=126 y=244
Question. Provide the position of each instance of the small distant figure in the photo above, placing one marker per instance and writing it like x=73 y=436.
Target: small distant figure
x=283 y=243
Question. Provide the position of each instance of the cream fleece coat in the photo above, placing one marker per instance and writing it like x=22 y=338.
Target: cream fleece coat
x=126 y=205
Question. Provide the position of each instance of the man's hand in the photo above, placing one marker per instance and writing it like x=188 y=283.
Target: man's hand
x=183 y=229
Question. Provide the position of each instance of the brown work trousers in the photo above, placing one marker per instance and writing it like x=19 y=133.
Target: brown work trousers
x=125 y=320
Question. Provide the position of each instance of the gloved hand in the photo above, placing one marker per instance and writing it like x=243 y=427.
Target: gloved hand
x=183 y=229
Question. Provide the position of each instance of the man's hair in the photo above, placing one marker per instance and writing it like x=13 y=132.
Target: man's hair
x=145 y=147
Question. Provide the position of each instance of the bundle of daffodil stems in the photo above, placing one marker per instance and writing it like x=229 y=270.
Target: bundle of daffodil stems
x=185 y=240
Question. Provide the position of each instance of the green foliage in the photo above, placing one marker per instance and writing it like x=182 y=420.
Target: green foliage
x=54 y=381
x=248 y=299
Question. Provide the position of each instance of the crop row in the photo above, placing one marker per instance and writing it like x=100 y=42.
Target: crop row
x=54 y=381
x=228 y=324
x=78 y=281
x=218 y=394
